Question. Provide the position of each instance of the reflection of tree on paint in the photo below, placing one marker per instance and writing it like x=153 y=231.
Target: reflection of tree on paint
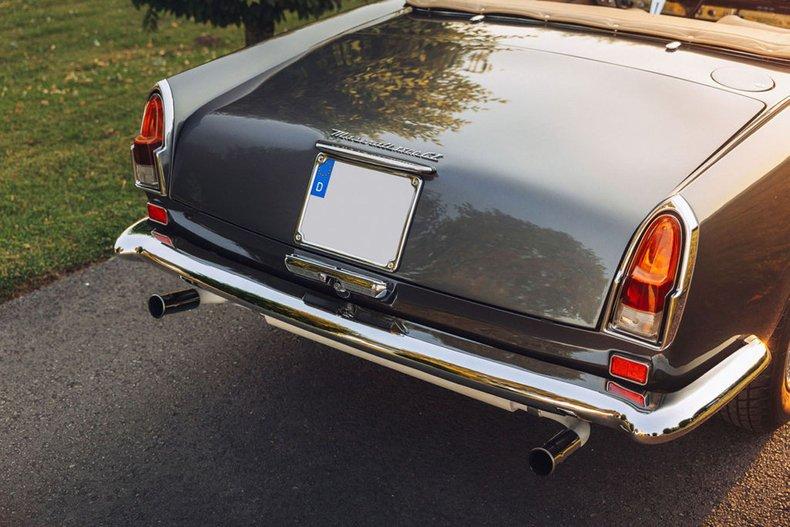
x=542 y=270
x=407 y=76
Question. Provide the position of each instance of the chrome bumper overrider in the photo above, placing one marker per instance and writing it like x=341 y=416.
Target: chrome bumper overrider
x=502 y=378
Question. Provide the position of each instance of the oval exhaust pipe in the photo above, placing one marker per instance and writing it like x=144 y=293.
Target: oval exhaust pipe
x=543 y=460
x=161 y=305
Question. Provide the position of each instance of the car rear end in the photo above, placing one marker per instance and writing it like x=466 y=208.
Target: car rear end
x=499 y=219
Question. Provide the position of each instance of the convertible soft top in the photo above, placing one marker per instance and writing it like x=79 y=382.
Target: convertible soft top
x=729 y=32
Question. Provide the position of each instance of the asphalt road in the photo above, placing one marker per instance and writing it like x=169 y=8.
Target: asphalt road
x=210 y=417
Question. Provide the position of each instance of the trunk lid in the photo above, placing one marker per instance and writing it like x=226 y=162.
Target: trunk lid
x=550 y=161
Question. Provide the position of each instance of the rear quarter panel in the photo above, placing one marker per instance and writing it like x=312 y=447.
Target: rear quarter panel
x=741 y=281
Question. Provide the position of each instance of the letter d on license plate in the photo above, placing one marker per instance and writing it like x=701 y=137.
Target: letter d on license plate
x=321 y=179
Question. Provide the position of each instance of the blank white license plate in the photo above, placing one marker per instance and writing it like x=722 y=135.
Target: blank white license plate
x=358 y=212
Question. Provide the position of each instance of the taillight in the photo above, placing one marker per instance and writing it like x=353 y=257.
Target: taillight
x=650 y=279
x=151 y=137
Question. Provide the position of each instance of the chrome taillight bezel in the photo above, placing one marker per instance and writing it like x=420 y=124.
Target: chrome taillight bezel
x=162 y=155
x=676 y=301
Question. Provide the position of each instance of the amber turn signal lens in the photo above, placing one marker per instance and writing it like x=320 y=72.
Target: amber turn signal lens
x=628 y=369
x=650 y=279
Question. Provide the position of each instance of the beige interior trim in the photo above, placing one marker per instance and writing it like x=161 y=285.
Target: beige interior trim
x=773 y=42
x=735 y=20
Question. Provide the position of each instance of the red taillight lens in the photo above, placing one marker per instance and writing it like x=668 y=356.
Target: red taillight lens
x=157 y=213
x=650 y=279
x=152 y=132
x=628 y=369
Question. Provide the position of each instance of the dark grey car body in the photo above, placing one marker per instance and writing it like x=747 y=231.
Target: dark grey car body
x=556 y=144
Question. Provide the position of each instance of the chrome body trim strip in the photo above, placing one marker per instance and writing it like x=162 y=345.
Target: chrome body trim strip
x=330 y=274
x=373 y=159
x=499 y=377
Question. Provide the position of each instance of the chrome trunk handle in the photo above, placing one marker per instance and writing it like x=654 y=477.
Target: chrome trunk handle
x=341 y=280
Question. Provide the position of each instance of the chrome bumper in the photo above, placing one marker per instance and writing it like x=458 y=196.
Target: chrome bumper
x=501 y=378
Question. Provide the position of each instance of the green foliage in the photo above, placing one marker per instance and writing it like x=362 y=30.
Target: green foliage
x=257 y=16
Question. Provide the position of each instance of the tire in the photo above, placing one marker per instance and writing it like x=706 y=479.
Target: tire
x=764 y=405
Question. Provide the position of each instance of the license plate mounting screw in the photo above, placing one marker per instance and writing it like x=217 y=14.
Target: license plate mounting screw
x=321 y=158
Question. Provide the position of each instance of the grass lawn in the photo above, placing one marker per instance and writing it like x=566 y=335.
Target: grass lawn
x=73 y=80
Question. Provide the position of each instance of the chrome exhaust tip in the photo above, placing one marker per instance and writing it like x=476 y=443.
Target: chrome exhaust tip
x=543 y=460
x=161 y=305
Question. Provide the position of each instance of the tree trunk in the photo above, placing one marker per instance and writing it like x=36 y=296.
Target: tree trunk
x=256 y=31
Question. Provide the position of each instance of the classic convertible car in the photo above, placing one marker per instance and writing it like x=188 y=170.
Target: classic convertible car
x=577 y=211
